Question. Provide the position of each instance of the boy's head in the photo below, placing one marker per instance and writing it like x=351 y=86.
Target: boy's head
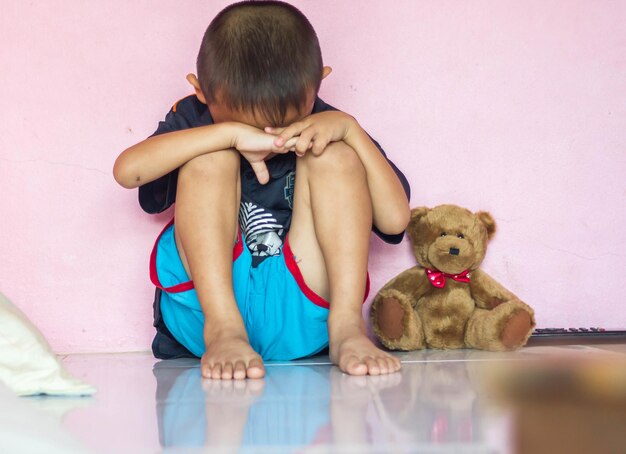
x=261 y=59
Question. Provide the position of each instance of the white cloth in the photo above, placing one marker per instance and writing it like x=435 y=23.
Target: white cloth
x=28 y=366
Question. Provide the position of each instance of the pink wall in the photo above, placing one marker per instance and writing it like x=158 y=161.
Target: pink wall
x=513 y=107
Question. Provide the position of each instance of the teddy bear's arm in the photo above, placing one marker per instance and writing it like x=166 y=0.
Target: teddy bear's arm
x=487 y=292
x=412 y=282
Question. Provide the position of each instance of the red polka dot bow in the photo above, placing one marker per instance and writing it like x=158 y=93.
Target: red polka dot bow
x=438 y=278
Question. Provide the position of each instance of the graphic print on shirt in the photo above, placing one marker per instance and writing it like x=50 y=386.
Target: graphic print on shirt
x=262 y=231
x=290 y=183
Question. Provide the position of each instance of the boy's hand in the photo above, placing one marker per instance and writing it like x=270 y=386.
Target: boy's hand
x=314 y=132
x=256 y=146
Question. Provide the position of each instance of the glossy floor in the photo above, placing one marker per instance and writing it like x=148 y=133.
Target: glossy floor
x=437 y=403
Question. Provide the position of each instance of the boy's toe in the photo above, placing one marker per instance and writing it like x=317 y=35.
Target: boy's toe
x=227 y=371
x=239 y=372
x=353 y=365
x=372 y=366
x=216 y=372
x=391 y=364
x=256 y=369
x=383 y=366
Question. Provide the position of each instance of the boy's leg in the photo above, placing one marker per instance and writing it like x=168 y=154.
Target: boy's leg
x=329 y=234
x=207 y=204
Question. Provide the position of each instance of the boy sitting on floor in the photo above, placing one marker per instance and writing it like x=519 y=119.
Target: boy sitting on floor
x=296 y=278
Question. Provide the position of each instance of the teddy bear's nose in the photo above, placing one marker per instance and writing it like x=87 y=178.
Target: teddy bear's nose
x=454 y=251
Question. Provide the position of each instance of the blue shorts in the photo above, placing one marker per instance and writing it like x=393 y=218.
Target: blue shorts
x=284 y=318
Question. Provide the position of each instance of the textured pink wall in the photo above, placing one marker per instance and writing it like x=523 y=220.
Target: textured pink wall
x=513 y=107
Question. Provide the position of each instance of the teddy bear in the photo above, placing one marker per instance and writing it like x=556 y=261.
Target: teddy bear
x=446 y=301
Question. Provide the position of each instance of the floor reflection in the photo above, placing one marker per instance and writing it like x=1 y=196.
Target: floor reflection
x=34 y=424
x=430 y=404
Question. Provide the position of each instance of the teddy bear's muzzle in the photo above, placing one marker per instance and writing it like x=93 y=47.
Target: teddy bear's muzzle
x=450 y=255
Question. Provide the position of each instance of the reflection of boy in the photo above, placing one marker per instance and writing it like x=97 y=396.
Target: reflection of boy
x=216 y=156
x=270 y=412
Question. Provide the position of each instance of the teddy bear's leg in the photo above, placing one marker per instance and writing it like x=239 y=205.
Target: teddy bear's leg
x=506 y=327
x=395 y=323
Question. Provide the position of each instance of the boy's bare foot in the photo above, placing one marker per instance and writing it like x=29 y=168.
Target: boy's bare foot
x=356 y=354
x=230 y=357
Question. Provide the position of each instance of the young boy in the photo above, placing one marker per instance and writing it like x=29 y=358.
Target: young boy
x=231 y=152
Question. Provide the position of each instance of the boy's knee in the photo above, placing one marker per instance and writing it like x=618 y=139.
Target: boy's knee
x=338 y=157
x=211 y=165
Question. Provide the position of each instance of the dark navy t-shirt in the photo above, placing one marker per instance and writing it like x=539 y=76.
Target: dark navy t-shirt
x=265 y=210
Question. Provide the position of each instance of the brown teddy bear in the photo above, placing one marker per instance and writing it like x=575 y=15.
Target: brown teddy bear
x=446 y=301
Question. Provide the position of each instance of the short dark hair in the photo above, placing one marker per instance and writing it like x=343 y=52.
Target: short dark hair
x=262 y=56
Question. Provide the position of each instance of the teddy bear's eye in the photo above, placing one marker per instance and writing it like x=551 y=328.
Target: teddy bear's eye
x=460 y=235
x=443 y=234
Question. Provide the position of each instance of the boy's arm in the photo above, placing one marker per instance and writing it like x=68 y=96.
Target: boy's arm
x=161 y=154
x=395 y=238
x=390 y=204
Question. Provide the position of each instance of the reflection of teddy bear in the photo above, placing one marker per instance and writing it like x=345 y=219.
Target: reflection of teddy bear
x=446 y=301
x=436 y=402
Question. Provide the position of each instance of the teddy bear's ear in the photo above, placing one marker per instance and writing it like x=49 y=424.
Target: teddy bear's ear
x=417 y=213
x=488 y=221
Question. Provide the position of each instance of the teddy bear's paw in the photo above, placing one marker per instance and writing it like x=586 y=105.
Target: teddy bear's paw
x=505 y=328
x=516 y=330
x=395 y=323
x=391 y=318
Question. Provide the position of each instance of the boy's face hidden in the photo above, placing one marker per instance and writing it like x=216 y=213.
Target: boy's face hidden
x=222 y=113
